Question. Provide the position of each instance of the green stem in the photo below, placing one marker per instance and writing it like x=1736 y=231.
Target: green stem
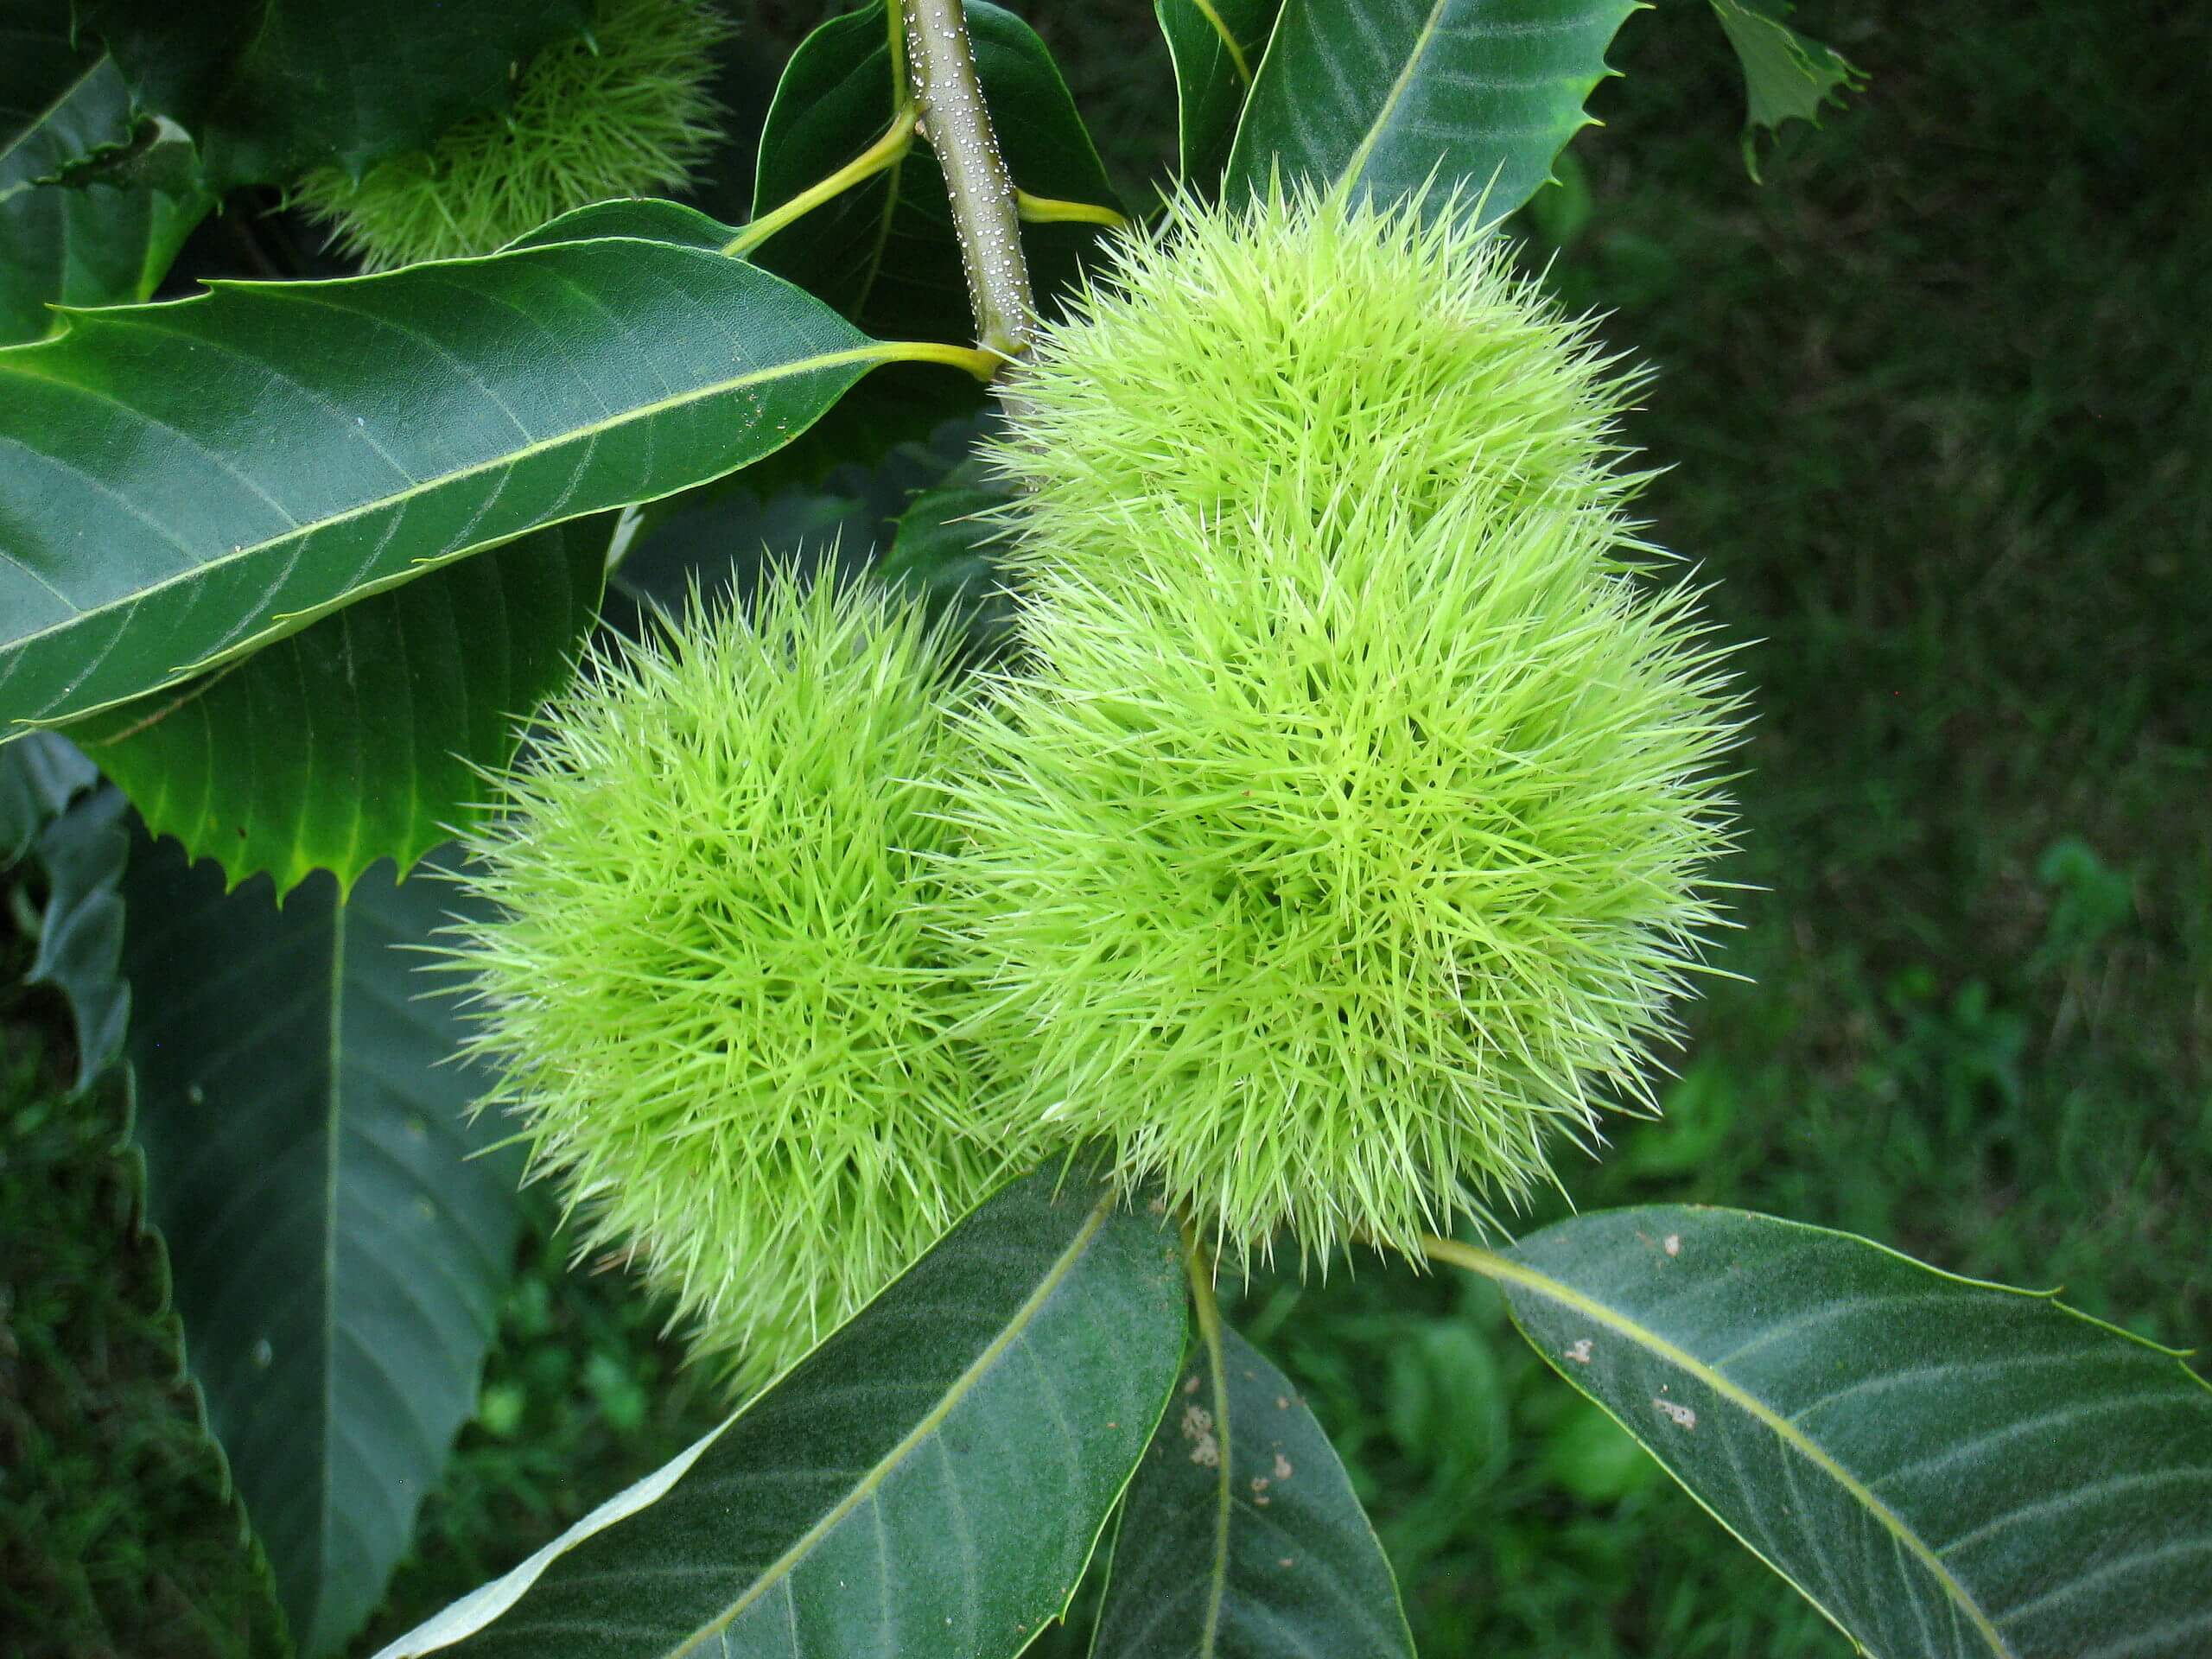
x=1046 y=210
x=886 y=152
x=941 y=70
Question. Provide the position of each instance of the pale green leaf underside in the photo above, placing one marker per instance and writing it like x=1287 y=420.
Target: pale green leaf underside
x=1241 y=1537
x=182 y=483
x=1947 y=1469
x=1478 y=94
x=94 y=245
x=337 y=1253
x=930 y=1480
x=363 y=736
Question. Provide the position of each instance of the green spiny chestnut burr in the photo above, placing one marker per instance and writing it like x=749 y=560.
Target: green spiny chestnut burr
x=624 y=111
x=1307 y=353
x=1346 y=818
x=716 y=990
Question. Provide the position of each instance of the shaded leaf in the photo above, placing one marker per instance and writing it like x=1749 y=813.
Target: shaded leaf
x=39 y=777
x=721 y=536
x=1787 y=77
x=243 y=463
x=359 y=738
x=83 y=852
x=930 y=1480
x=1216 y=45
x=1240 y=1537
x=1479 y=93
x=942 y=553
x=61 y=101
x=1590 y=1456
x=718 y=541
x=160 y=155
x=1943 y=1467
x=92 y=244
x=899 y=404
x=336 y=1251
x=272 y=87
x=63 y=105
x=884 y=252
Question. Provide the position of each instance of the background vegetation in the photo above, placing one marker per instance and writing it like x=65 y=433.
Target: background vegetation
x=1935 y=402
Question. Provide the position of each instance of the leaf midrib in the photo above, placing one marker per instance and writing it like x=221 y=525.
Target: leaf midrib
x=1229 y=40
x=1495 y=1267
x=927 y=1425
x=1218 y=1578
x=1357 y=164
x=326 y=1495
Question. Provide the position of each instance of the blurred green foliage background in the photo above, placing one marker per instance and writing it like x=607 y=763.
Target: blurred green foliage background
x=1937 y=406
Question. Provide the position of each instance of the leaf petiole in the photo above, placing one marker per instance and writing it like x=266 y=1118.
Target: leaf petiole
x=979 y=360
x=885 y=153
x=1045 y=210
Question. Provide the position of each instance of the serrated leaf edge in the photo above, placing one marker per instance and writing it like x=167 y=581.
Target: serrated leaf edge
x=1353 y=167
x=132 y=1152
x=1499 y=1269
x=41 y=118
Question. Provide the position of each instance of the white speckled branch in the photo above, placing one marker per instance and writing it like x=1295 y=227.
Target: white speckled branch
x=941 y=68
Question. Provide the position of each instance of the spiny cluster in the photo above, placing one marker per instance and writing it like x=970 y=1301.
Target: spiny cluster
x=1341 y=833
x=622 y=111
x=1300 y=356
x=1334 y=843
x=715 y=991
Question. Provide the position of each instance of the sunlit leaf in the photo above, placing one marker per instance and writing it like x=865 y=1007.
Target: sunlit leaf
x=185 y=483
